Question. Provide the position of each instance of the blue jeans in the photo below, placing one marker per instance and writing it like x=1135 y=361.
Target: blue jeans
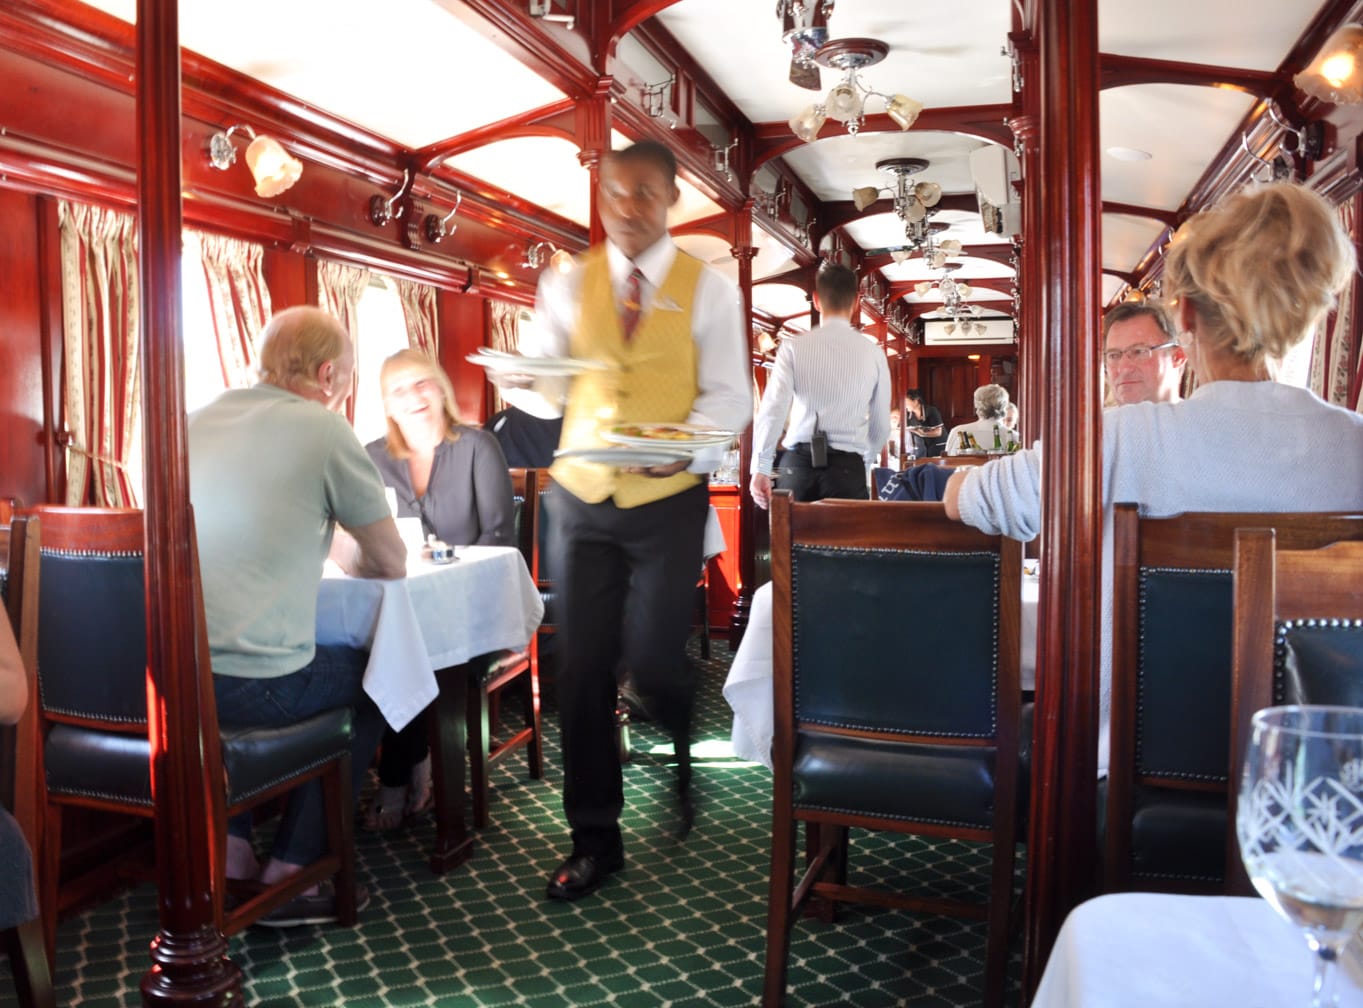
x=332 y=679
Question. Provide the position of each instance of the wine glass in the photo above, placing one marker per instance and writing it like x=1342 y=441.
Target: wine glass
x=1300 y=826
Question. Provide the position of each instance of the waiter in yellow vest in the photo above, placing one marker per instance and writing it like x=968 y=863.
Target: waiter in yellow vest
x=671 y=331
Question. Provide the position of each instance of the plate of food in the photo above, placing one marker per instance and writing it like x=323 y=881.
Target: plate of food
x=548 y=367
x=657 y=435
x=625 y=456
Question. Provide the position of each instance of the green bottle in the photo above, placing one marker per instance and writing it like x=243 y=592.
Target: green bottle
x=998 y=439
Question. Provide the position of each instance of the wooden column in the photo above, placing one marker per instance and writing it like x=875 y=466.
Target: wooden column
x=593 y=119
x=1031 y=382
x=189 y=955
x=744 y=252
x=1062 y=840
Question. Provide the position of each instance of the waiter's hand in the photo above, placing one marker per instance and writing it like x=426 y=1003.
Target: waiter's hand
x=658 y=472
x=760 y=488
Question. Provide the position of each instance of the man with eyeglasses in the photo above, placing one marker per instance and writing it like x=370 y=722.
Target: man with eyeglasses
x=1141 y=354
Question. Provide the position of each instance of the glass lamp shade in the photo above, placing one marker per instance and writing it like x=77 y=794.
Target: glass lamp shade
x=949 y=328
x=962 y=290
x=864 y=197
x=951 y=246
x=937 y=260
x=928 y=193
x=1336 y=74
x=273 y=168
x=914 y=211
x=923 y=289
x=807 y=123
x=561 y=261
x=843 y=102
x=900 y=254
x=903 y=110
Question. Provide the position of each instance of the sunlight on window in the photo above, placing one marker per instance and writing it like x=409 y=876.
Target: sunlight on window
x=203 y=367
x=382 y=332
x=1296 y=366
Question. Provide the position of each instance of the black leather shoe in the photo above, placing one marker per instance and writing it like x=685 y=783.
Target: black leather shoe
x=686 y=814
x=582 y=874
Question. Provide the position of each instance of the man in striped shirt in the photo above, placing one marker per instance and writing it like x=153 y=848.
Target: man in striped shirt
x=830 y=384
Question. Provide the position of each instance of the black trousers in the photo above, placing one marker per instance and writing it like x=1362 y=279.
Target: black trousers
x=844 y=477
x=627 y=579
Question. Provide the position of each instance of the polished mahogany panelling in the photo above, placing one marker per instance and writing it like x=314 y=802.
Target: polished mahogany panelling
x=22 y=469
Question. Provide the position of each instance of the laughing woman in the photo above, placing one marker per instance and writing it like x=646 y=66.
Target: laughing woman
x=453 y=478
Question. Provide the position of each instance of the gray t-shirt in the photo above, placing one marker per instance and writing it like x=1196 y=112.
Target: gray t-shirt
x=270 y=473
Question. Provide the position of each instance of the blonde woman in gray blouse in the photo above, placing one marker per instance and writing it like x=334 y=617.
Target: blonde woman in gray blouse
x=453 y=478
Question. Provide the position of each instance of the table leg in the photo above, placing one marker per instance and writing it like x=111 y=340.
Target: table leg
x=449 y=743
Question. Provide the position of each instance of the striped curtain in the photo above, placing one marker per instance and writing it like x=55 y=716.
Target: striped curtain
x=504 y=323
x=339 y=288
x=1330 y=377
x=418 y=311
x=239 y=302
x=100 y=352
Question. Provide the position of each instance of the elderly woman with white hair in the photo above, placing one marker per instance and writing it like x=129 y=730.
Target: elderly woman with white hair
x=1249 y=281
x=991 y=406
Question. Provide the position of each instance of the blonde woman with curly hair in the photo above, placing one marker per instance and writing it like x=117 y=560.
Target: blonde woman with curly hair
x=1248 y=280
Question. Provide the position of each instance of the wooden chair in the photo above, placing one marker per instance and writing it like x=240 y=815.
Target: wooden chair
x=922 y=744
x=1298 y=639
x=507 y=671
x=92 y=715
x=1165 y=818
x=23 y=941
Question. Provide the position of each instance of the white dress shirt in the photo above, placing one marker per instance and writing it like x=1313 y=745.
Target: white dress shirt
x=832 y=374
x=724 y=399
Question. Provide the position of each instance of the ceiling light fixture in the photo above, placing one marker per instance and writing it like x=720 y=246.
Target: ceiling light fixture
x=559 y=259
x=846 y=101
x=805 y=26
x=437 y=227
x=954 y=295
x=913 y=203
x=272 y=167
x=1336 y=74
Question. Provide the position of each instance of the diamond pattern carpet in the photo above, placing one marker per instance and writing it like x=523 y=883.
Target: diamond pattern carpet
x=682 y=927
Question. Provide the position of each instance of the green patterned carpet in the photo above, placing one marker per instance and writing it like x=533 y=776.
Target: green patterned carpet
x=683 y=925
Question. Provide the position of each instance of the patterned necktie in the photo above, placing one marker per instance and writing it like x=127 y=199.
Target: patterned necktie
x=631 y=303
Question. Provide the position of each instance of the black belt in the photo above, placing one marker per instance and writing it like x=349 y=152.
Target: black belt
x=803 y=449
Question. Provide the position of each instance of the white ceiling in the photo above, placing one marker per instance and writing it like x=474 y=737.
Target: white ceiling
x=945 y=55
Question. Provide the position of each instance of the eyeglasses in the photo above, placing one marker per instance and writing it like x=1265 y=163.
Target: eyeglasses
x=1137 y=354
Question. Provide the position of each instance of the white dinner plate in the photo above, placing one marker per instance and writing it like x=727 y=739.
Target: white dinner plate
x=625 y=455
x=547 y=367
x=679 y=436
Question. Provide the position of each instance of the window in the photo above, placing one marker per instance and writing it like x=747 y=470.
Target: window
x=382 y=333
x=203 y=367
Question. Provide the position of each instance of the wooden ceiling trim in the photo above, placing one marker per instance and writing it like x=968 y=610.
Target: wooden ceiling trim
x=1125 y=71
x=984 y=122
x=839 y=213
x=554 y=119
x=80 y=39
x=1169 y=218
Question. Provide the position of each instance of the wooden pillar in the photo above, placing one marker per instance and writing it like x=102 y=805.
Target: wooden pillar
x=749 y=514
x=189 y=955
x=1062 y=840
x=593 y=120
x=1031 y=383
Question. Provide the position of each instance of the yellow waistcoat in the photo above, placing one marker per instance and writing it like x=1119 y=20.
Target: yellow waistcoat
x=651 y=379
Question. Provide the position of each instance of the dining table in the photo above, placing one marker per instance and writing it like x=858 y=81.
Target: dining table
x=423 y=632
x=748 y=687
x=1136 y=950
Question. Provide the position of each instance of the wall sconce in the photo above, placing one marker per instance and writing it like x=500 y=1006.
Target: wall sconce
x=766 y=342
x=437 y=228
x=654 y=99
x=381 y=210
x=1336 y=74
x=802 y=234
x=559 y=259
x=272 y=167
x=719 y=157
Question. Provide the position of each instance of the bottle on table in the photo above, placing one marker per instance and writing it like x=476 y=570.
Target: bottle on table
x=998 y=438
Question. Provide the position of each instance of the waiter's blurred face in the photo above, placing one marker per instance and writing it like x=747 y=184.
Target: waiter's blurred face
x=634 y=199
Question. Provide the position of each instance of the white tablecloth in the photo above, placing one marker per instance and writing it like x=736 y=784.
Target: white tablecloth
x=1147 y=949
x=748 y=689
x=438 y=616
